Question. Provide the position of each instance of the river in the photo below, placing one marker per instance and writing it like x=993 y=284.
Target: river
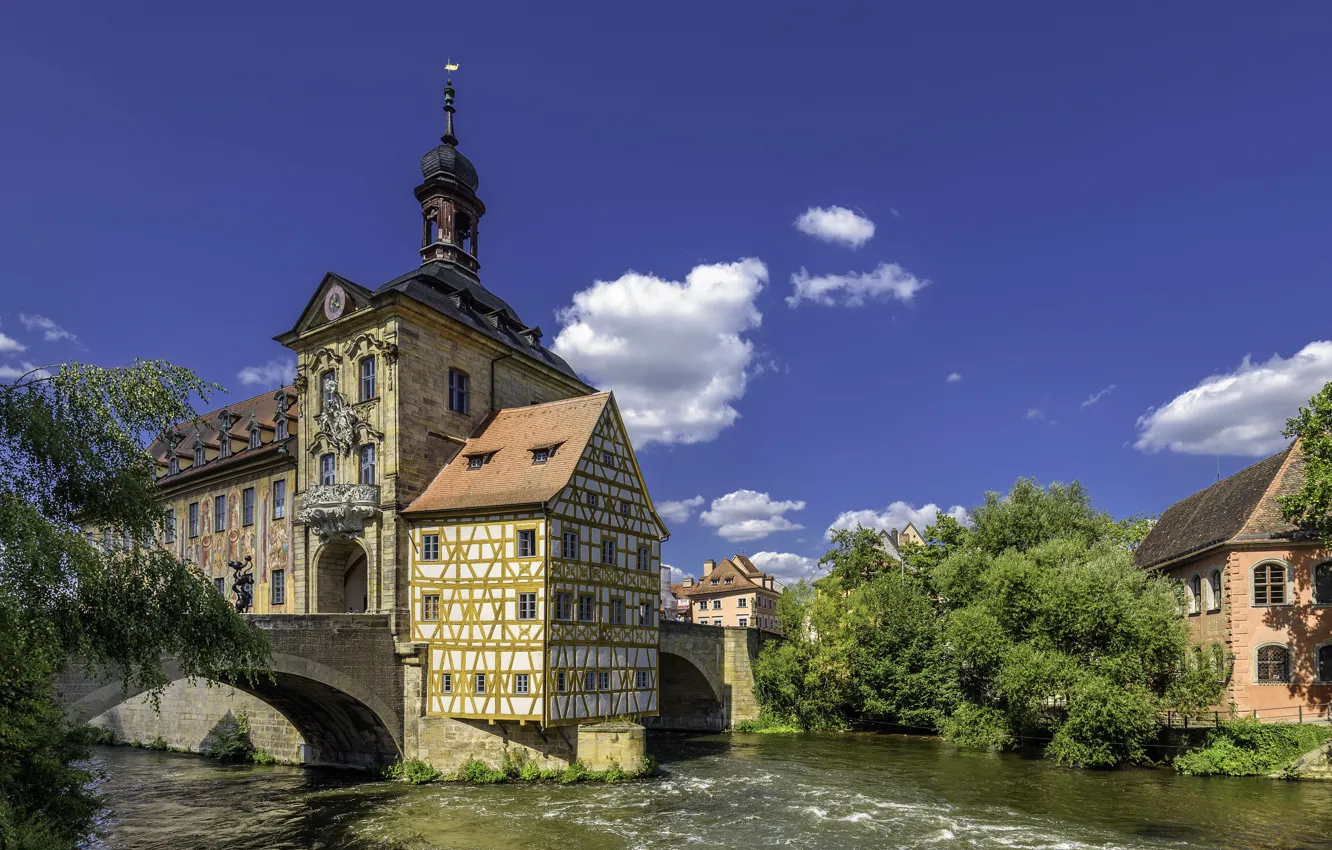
x=809 y=791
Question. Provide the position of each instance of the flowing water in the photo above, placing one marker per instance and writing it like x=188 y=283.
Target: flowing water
x=750 y=791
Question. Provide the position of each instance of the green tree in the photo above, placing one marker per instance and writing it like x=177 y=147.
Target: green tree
x=72 y=446
x=1311 y=506
x=858 y=556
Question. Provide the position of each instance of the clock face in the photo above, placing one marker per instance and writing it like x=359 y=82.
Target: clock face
x=334 y=302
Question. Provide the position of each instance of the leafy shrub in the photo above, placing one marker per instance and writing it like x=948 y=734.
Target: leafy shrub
x=978 y=727
x=159 y=744
x=415 y=771
x=768 y=726
x=529 y=772
x=263 y=757
x=647 y=766
x=479 y=773
x=1248 y=747
x=576 y=772
x=231 y=742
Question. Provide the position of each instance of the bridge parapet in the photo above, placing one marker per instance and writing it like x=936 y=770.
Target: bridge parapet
x=722 y=658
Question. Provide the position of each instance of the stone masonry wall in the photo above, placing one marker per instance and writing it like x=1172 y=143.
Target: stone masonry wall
x=189 y=713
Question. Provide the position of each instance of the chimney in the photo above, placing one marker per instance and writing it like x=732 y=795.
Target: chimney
x=892 y=535
x=688 y=581
x=708 y=567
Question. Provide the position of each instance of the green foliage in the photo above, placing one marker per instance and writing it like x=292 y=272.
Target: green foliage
x=529 y=772
x=768 y=726
x=72 y=446
x=263 y=757
x=1248 y=747
x=1031 y=625
x=478 y=772
x=1311 y=506
x=415 y=771
x=229 y=740
x=858 y=556
x=159 y=744
x=576 y=772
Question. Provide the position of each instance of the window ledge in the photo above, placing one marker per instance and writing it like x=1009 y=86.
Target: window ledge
x=1284 y=684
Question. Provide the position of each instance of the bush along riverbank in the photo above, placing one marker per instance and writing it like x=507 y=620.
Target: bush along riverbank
x=515 y=768
x=1030 y=626
x=1246 y=747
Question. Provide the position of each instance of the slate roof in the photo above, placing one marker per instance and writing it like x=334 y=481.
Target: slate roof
x=508 y=476
x=452 y=290
x=261 y=409
x=1240 y=508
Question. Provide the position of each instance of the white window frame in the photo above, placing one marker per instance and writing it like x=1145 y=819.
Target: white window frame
x=256 y=440
x=429 y=547
x=280 y=498
x=460 y=392
x=590 y=606
x=367 y=378
x=608 y=553
x=1193 y=594
x=644 y=558
x=247 y=506
x=194 y=519
x=426 y=599
x=1215 y=582
x=277 y=585
x=328 y=469
x=525 y=543
x=527 y=606
x=590 y=680
x=569 y=545
x=479 y=681
x=522 y=684
x=369 y=465
x=219 y=516
x=446 y=683
x=603 y=680
x=564 y=605
x=561 y=682
x=642 y=680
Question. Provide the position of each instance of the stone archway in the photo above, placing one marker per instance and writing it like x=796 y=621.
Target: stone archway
x=689 y=701
x=341 y=578
x=342 y=722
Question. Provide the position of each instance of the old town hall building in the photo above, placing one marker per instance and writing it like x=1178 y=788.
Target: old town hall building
x=433 y=461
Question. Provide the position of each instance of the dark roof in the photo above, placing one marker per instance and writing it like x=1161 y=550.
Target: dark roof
x=445 y=161
x=739 y=569
x=261 y=410
x=457 y=293
x=1241 y=506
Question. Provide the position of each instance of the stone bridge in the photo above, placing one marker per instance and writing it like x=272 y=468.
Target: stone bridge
x=343 y=684
x=707 y=676
x=336 y=677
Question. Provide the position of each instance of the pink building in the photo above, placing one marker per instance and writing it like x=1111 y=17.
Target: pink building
x=1258 y=590
x=733 y=593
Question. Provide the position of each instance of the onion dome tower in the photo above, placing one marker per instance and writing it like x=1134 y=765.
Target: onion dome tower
x=450 y=208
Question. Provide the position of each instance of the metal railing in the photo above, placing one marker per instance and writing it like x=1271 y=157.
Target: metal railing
x=1308 y=713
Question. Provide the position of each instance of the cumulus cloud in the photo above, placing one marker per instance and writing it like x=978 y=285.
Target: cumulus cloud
x=788 y=567
x=1240 y=412
x=673 y=352
x=274 y=373
x=51 y=332
x=896 y=515
x=836 y=224
x=953 y=377
x=10 y=373
x=1097 y=396
x=749 y=515
x=1035 y=413
x=887 y=281
x=8 y=344
x=679 y=511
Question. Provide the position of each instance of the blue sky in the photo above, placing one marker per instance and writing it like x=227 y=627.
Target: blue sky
x=1062 y=202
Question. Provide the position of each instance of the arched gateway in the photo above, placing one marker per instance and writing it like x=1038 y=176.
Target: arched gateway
x=335 y=678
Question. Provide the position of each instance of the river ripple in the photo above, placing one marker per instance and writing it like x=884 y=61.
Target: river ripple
x=809 y=791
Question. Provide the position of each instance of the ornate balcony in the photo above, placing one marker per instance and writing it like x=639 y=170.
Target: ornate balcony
x=338 y=511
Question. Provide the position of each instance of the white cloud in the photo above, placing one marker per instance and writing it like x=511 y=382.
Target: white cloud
x=896 y=515
x=51 y=332
x=788 y=567
x=274 y=373
x=679 y=511
x=1035 y=413
x=836 y=224
x=749 y=515
x=953 y=377
x=888 y=280
x=1097 y=396
x=673 y=353
x=1240 y=412
x=10 y=373
x=10 y=344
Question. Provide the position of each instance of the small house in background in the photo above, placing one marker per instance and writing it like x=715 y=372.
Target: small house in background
x=733 y=593
x=674 y=608
x=1258 y=590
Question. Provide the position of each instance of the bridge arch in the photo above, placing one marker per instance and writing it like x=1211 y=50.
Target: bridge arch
x=690 y=699
x=342 y=722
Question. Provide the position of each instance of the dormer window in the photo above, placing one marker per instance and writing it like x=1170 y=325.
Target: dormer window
x=255 y=440
x=199 y=453
x=725 y=581
x=476 y=461
x=281 y=429
x=224 y=436
x=173 y=462
x=540 y=456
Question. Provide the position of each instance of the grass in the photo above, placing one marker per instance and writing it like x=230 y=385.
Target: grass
x=515 y=767
x=1247 y=747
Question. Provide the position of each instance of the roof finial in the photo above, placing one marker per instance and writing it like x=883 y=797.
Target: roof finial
x=448 y=138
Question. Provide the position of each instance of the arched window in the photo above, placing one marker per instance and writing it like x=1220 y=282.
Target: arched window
x=198 y=454
x=255 y=439
x=1269 y=584
x=1214 y=591
x=281 y=428
x=1323 y=583
x=1323 y=661
x=1195 y=593
x=1273 y=663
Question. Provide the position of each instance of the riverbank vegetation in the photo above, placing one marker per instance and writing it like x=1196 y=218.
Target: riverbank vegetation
x=516 y=767
x=73 y=448
x=1247 y=747
x=1031 y=625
